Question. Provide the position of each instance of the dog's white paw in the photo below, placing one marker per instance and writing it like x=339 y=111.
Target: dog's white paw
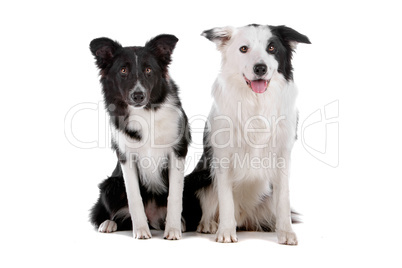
x=142 y=233
x=172 y=233
x=207 y=228
x=107 y=226
x=286 y=238
x=226 y=235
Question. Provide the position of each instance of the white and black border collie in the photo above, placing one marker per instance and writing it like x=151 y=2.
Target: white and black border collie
x=249 y=134
x=150 y=135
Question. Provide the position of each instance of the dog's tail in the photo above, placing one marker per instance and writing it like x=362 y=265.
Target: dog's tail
x=296 y=217
x=193 y=182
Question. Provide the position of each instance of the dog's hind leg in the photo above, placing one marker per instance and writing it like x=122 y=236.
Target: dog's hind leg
x=100 y=218
x=101 y=212
x=107 y=226
x=209 y=206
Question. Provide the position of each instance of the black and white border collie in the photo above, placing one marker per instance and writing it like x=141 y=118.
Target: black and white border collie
x=249 y=134
x=150 y=135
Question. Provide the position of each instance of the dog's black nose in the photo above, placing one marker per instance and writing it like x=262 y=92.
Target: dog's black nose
x=260 y=69
x=138 y=96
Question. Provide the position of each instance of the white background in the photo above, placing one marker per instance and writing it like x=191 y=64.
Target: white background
x=351 y=211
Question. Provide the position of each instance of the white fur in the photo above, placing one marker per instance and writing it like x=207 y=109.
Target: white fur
x=107 y=226
x=159 y=133
x=175 y=201
x=248 y=125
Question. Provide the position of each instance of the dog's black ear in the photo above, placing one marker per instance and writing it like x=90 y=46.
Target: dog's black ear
x=289 y=35
x=220 y=35
x=104 y=49
x=162 y=47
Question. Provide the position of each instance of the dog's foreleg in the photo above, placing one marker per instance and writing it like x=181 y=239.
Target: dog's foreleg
x=227 y=223
x=283 y=212
x=175 y=198
x=135 y=204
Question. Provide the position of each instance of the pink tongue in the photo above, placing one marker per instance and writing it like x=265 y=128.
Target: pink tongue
x=259 y=86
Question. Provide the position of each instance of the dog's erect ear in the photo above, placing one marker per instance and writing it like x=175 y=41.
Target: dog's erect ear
x=162 y=47
x=289 y=35
x=104 y=49
x=220 y=35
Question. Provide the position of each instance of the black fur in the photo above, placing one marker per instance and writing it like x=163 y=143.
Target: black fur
x=191 y=205
x=120 y=156
x=201 y=175
x=211 y=35
x=200 y=178
x=181 y=147
x=111 y=58
x=156 y=54
x=113 y=198
x=135 y=135
x=282 y=36
x=254 y=25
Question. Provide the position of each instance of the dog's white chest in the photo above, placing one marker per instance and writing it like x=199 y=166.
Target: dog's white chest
x=158 y=132
x=158 y=129
x=254 y=133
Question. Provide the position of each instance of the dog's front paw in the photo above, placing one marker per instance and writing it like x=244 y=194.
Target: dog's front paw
x=142 y=233
x=107 y=226
x=286 y=237
x=226 y=235
x=207 y=228
x=172 y=233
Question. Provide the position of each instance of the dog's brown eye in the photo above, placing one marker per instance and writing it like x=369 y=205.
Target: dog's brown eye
x=148 y=70
x=271 y=48
x=123 y=70
x=243 y=49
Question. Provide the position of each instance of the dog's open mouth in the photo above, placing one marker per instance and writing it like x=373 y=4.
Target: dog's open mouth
x=258 y=86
